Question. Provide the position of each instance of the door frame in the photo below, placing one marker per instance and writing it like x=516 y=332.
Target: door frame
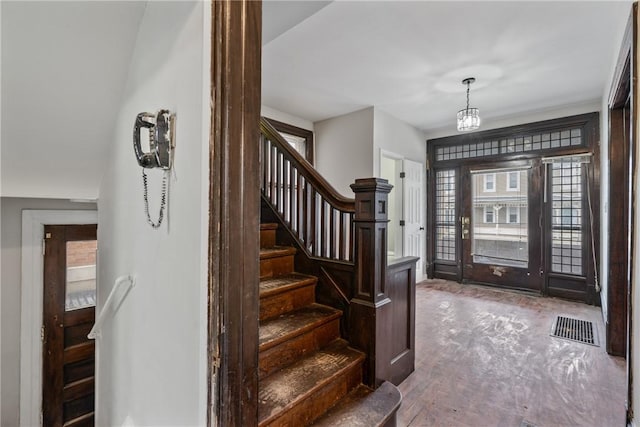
x=399 y=205
x=33 y=222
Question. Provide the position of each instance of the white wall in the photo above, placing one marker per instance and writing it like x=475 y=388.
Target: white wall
x=344 y=148
x=635 y=296
x=10 y=295
x=281 y=116
x=151 y=359
x=394 y=135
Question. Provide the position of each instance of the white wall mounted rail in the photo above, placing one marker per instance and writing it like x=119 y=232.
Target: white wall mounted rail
x=114 y=300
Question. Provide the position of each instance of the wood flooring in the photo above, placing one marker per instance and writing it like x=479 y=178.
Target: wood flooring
x=485 y=357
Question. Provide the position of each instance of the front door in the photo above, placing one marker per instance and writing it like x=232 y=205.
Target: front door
x=501 y=227
x=69 y=314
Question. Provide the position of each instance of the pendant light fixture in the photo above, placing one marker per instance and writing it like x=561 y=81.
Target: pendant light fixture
x=469 y=118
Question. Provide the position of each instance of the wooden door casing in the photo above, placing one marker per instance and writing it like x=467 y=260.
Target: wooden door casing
x=68 y=355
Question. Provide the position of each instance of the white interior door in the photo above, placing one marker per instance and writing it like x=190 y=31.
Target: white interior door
x=413 y=212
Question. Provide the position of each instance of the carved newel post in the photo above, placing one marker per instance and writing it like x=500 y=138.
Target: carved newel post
x=369 y=321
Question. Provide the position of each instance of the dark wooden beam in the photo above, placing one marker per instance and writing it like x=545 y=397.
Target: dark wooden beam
x=234 y=202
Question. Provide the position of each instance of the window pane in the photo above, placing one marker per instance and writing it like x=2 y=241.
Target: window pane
x=81 y=275
x=445 y=215
x=499 y=219
x=566 y=218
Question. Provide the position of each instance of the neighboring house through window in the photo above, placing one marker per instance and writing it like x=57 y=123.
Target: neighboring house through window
x=489 y=217
x=513 y=214
x=513 y=181
x=490 y=182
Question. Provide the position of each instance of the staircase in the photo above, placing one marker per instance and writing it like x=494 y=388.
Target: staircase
x=308 y=375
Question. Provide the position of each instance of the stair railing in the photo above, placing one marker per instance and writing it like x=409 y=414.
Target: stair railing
x=321 y=219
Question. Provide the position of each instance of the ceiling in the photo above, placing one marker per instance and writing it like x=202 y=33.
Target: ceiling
x=409 y=58
x=64 y=67
x=65 y=64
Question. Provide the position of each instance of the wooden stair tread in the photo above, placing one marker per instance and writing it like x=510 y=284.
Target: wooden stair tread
x=286 y=326
x=269 y=226
x=275 y=285
x=293 y=384
x=276 y=251
x=363 y=407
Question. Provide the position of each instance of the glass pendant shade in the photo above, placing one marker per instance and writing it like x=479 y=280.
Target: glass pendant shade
x=468 y=119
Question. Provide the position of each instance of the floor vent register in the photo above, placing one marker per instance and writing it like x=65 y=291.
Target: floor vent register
x=575 y=330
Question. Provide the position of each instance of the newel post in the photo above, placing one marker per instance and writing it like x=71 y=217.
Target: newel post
x=370 y=323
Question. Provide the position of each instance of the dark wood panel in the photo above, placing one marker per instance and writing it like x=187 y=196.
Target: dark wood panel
x=79 y=370
x=78 y=407
x=74 y=335
x=79 y=352
x=401 y=282
x=78 y=317
x=79 y=388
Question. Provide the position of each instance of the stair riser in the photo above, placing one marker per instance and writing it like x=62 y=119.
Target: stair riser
x=293 y=349
x=316 y=404
x=273 y=267
x=267 y=238
x=284 y=302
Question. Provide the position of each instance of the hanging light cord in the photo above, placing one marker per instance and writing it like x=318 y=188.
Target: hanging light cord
x=593 y=243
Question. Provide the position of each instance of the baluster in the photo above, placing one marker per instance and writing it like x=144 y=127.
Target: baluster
x=302 y=203
x=323 y=228
x=273 y=175
x=279 y=182
x=285 y=189
x=266 y=149
x=261 y=157
x=350 y=244
x=292 y=196
x=332 y=232
x=312 y=225
x=343 y=233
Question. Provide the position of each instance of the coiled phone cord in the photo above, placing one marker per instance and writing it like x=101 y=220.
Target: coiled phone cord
x=163 y=198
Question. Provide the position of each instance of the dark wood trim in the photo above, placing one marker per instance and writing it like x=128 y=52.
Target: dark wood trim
x=300 y=132
x=633 y=23
x=234 y=199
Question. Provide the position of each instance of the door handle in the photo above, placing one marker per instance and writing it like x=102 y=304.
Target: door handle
x=421 y=228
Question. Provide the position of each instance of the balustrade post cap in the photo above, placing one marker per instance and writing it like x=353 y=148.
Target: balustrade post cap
x=365 y=185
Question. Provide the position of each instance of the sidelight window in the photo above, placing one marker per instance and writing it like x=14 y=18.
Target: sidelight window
x=566 y=217
x=445 y=215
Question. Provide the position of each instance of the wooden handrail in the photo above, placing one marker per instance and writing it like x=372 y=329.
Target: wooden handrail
x=322 y=186
x=319 y=217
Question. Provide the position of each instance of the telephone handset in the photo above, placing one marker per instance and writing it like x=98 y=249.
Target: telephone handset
x=161 y=145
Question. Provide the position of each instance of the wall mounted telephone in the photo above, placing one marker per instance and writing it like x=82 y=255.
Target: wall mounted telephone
x=160 y=128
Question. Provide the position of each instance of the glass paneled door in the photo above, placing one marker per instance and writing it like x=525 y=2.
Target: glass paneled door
x=500 y=225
